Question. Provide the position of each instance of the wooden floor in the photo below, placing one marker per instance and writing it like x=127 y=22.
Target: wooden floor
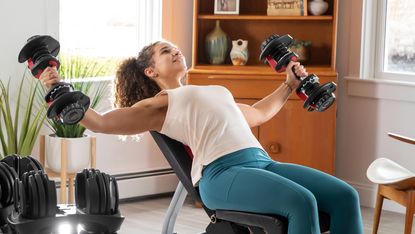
x=146 y=217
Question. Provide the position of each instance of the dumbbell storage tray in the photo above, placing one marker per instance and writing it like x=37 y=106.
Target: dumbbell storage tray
x=67 y=214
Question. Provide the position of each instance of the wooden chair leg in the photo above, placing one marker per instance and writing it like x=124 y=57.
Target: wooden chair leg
x=410 y=208
x=64 y=167
x=378 y=211
x=71 y=185
x=42 y=150
x=93 y=152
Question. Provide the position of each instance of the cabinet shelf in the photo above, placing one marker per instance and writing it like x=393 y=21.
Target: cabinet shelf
x=254 y=70
x=264 y=17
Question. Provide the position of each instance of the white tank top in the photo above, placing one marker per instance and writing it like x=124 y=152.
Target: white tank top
x=207 y=119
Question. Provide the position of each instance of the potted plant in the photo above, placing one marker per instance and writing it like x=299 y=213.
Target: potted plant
x=302 y=49
x=77 y=71
x=19 y=128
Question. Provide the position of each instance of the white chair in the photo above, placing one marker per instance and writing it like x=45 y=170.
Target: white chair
x=396 y=183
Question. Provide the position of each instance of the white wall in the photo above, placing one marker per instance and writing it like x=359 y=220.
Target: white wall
x=18 y=23
x=367 y=110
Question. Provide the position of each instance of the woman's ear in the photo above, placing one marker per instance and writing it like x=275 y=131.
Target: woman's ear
x=149 y=72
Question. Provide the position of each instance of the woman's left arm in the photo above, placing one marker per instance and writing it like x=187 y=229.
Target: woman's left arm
x=266 y=108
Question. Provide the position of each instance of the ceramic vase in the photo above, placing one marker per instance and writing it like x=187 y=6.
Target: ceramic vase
x=318 y=7
x=239 y=53
x=216 y=44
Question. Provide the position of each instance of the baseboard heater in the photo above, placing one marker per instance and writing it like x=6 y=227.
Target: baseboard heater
x=135 y=185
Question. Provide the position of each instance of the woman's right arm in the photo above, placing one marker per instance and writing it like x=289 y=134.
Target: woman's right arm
x=145 y=115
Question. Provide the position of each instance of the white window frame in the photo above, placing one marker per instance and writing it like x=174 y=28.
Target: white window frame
x=373 y=44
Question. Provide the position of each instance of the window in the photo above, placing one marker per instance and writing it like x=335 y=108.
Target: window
x=108 y=30
x=395 y=40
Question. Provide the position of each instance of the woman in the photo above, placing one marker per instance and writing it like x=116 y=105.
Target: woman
x=230 y=167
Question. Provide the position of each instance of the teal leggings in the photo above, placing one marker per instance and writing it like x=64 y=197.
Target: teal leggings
x=248 y=180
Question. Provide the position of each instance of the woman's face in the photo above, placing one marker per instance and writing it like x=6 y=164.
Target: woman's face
x=168 y=61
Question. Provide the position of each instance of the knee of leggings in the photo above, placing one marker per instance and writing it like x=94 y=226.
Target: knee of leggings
x=305 y=201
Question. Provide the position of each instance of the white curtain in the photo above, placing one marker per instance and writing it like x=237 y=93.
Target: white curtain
x=149 y=21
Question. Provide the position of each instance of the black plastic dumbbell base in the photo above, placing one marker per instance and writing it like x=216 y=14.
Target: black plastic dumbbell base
x=68 y=214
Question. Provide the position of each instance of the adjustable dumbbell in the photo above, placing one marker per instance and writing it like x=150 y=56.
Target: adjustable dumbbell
x=96 y=196
x=275 y=52
x=36 y=210
x=35 y=195
x=96 y=192
x=11 y=169
x=65 y=105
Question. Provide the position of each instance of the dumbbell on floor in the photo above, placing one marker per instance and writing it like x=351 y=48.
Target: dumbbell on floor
x=11 y=169
x=35 y=195
x=96 y=192
x=96 y=208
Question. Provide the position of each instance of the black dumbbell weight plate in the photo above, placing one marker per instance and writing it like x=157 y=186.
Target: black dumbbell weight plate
x=13 y=174
x=80 y=189
x=24 y=193
x=50 y=195
x=314 y=97
x=33 y=197
x=36 y=163
x=41 y=195
x=114 y=196
x=27 y=165
x=102 y=192
x=17 y=197
x=12 y=160
x=67 y=99
x=36 y=41
x=108 y=191
x=57 y=90
x=5 y=183
x=52 y=208
x=274 y=43
x=92 y=195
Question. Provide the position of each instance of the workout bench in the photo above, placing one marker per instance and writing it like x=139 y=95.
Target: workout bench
x=222 y=221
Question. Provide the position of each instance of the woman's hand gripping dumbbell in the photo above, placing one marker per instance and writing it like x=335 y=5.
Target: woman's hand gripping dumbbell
x=275 y=52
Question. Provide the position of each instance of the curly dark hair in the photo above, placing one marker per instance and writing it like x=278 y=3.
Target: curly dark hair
x=131 y=84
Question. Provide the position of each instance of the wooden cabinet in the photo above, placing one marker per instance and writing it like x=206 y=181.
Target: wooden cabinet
x=293 y=135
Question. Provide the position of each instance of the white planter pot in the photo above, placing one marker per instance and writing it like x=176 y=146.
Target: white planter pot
x=78 y=153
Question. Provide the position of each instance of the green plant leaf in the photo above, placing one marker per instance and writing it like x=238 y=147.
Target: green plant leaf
x=20 y=128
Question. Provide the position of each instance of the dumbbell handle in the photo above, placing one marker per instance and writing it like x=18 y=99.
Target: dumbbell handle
x=298 y=77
